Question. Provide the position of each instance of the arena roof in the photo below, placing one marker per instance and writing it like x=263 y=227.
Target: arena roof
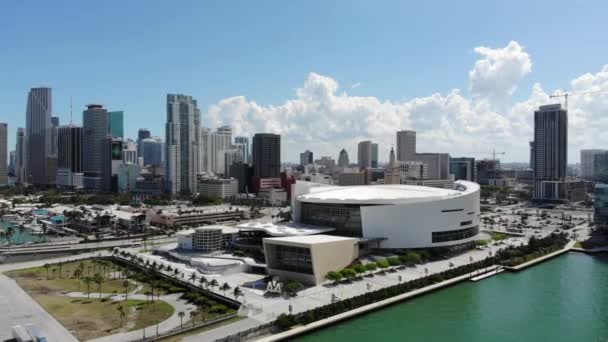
x=284 y=229
x=382 y=194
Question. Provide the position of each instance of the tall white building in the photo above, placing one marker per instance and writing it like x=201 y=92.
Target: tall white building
x=243 y=144
x=212 y=150
x=587 y=161
x=182 y=144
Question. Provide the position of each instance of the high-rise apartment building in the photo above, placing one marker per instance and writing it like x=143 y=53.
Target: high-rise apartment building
x=38 y=122
x=532 y=155
x=231 y=157
x=242 y=143
x=213 y=146
x=550 y=152
x=151 y=151
x=343 y=159
x=374 y=160
x=266 y=153
x=3 y=153
x=53 y=135
x=364 y=155
x=69 y=156
x=20 y=149
x=406 y=145
x=95 y=154
x=306 y=158
x=116 y=124
x=182 y=138
x=587 y=162
x=12 y=161
x=142 y=133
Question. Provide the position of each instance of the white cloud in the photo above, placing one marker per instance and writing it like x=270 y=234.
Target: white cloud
x=323 y=118
x=355 y=85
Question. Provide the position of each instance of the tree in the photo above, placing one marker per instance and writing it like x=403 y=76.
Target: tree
x=125 y=284
x=237 y=293
x=193 y=316
x=121 y=312
x=148 y=293
x=410 y=258
x=213 y=283
x=98 y=279
x=88 y=280
x=192 y=277
x=77 y=274
x=225 y=287
x=203 y=281
x=181 y=315
x=46 y=267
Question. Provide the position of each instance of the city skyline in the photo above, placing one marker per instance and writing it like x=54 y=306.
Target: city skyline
x=485 y=95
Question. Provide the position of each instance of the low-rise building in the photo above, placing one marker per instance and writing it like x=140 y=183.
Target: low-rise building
x=218 y=187
x=197 y=215
x=308 y=259
x=207 y=239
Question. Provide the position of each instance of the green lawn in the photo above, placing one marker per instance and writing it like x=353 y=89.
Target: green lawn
x=88 y=319
x=35 y=281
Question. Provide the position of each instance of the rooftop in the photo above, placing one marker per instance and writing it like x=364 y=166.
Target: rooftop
x=286 y=229
x=312 y=239
x=380 y=194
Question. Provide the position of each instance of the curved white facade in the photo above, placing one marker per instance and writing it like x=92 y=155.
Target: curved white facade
x=402 y=216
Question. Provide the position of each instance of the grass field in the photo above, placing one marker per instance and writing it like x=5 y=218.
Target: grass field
x=35 y=280
x=92 y=318
x=89 y=318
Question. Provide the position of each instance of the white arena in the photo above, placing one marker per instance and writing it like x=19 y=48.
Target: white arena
x=398 y=216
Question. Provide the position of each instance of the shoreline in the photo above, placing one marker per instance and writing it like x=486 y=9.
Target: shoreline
x=323 y=323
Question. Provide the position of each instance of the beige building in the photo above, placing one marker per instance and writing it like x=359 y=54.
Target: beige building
x=308 y=259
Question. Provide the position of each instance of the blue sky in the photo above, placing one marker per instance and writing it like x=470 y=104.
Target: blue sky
x=128 y=54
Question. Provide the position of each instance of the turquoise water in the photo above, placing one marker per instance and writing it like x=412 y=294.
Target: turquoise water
x=20 y=238
x=564 y=299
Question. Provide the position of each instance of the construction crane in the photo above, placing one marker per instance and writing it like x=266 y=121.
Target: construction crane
x=565 y=95
x=493 y=153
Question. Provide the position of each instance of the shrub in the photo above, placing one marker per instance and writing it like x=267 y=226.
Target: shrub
x=382 y=263
x=394 y=261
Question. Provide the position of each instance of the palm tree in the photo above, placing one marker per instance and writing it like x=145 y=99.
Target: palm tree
x=193 y=277
x=44 y=230
x=181 y=315
x=125 y=284
x=225 y=287
x=237 y=293
x=203 y=281
x=98 y=279
x=10 y=231
x=193 y=316
x=46 y=267
x=213 y=283
x=87 y=280
x=21 y=229
x=77 y=274
x=148 y=293
x=60 y=264
x=121 y=312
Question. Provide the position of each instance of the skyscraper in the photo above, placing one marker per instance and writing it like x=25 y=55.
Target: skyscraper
x=69 y=156
x=392 y=174
x=374 y=160
x=306 y=158
x=20 y=149
x=116 y=124
x=550 y=152
x=244 y=141
x=587 y=162
x=53 y=135
x=151 y=150
x=343 y=159
x=38 y=122
x=3 y=154
x=182 y=144
x=213 y=146
x=406 y=145
x=364 y=156
x=12 y=157
x=95 y=154
x=266 y=153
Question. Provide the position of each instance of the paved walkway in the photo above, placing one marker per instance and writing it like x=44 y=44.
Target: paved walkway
x=223 y=331
x=19 y=308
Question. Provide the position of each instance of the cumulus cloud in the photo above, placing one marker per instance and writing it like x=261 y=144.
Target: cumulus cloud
x=495 y=76
x=324 y=118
